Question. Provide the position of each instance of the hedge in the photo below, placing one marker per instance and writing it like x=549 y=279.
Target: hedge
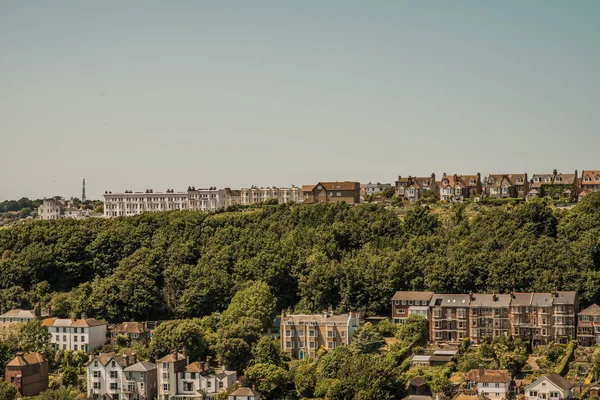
x=563 y=367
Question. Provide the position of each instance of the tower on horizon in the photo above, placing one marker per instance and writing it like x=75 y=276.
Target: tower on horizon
x=83 y=191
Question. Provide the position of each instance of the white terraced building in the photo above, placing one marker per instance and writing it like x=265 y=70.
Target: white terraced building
x=135 y=203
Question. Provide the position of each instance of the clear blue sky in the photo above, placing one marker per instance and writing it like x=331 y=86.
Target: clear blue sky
x=157 y=94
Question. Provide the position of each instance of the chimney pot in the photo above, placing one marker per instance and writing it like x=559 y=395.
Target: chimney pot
x=481 y=370
x=83 y=315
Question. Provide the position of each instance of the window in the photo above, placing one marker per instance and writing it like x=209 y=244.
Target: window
x=58 y=338
x=192 y=375
x=113 y=363
x=113 y=386
x=403 y=302
x=472 y=181
x=220 y=384
x=300 y=333
x=82 y=339
x=113 y=374
x=64 y=338
x=75 y=347
x=585 y=318
x=587 y=178
x=300 y=345
x=400 y=311
x=396 y=302
x=96 y=385
x=75 y=338
x=96 y=374
x=208 y=384
x=343 y=334
x=339 y=194
x=331 y=345
x=533 y=393
x=166 y=387
x=312 y=345
x=187 y=386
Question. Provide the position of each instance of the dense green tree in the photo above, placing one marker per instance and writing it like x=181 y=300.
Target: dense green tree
x=177 y=334
x=367 y=339
x=254 y=301
x=7 y=391
x=270 y=380
x=267 y=351
x=33 y=337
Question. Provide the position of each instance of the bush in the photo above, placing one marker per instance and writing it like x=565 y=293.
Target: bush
x=563 y=366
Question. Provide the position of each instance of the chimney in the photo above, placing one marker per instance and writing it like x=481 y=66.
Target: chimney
x=555 y=172
x=133 y=357
x=48 y=310
x=282 y=313
x=330 y=311
x=481 y=370
x=175 y=355
x=83 y=315
x=73 y=317
x=42 y=354
x=92 y=356
x=3 y=309
x=494 y=297
x=37 y=311
x=185 y=355
x=325 y=313
x=14 y=306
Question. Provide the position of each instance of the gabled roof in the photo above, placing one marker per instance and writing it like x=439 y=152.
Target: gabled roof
x=346 y=185
x=142 y=366
x=21 y=360
x=521 y=299
x=489 y=375
x=48 y=322
x=541 y=299
x=19 y=313
x=129 y=327
x=412 y=295
x=308 y=188
x=594 y=309
x=592 y=174
x=565 y=297
x=244 y=391
x=194 y=367
x=555 y=378
x=87 y=323
x=171 y=358
x=106 y=357
x=496 y=180
x=417 y=381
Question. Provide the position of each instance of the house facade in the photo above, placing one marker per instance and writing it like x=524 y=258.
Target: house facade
x=549 y=387
x=52 y=209
x=244 y=393
x=199 y=381
x=334 y=192
x=407 y=303
x=28 y=372
x=588 y=326
x=86 y=334
x=589 y=182
x=449 y=317
x=489 y=316
x=105 y=376
x=459 y=187
x=141 y=381
x=134 y=203
x=136 y=332
x=303 y=334
x=411 y=188
x=10 y=320
x=168 y=368
x=210 y=199
x=506 y=185
x=555 y=185
x=376 y=188
x=255 y=194
x=493 y=384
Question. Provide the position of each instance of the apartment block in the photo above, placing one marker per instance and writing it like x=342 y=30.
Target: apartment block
x=211 y=199
x=303 y=334
x=489 y=316
x=588 y=326
x=254 y=194
x=134 y=203
x=407 y=303
x=449 y=317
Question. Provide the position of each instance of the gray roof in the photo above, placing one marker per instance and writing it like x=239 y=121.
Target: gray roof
x=490 y=300
x=559 y=381
x=541 y=299
x=142 y=366
x=521 y=299
x=565 y=297
x=450 y=300
x=412 y=295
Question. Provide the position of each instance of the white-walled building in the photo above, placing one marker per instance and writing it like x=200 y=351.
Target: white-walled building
x=105 y=377
x=199 y=377
x=210 y=199
x=85 y=334
x=135 y=203
x=494 y=384
x=376 y=188
x=168 y=368
x=549 y=387
x=255 y=194
x=52 y=209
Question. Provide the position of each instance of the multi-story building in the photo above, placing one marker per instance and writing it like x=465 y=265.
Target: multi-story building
x=554 y=185
x=303 y=334
x=141 y=381
x=460 y=187
x=493 y=384
x=589 y=182
x=376 y=188
x=307 y=193
x=52 y=209
x=411 y=188
x=551 y=386
x=588 y=326
x=489 y=316
x=134 y=203
x=199 y=381
x=211 y=199
x=565 y=306
x=256 y=194
x=28 y=372
x=449 y=317
x=86 y=334
x=407 y=303
x=506 y=185
x=10 y=320
x=334 y=192
x=105 y=376
x=168 y=368
x=232 y=197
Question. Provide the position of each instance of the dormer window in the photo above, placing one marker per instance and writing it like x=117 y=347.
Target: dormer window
x=548 y=179
x=597 y=178
x=519 y=180
x=425 y=182
x=587 y=178
x=559 y=179
x=536 y=179
x=445 y=181
x=472 y=181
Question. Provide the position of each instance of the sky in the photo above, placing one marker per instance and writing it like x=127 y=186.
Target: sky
x=154 y=94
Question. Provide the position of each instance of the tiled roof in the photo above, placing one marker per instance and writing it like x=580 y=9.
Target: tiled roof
x=490 y=300
x=449 y=300
x=521 y=299
x=244 y=391
x=541 y=299
x=495 y=180
x=19 y=313
x=142 y=366
x=592 y=174
x=86 y=323
x=594 y=309
x=417 y=381
x=565 y=297
x=194 y=367
x=171 y=357
x=346 y=185
x=48 y=322
x=559 y=381
x=26 y=359
x=106 y=357
x=308 y=188
x=129 y=327
x=489 y=375
x=412 y=295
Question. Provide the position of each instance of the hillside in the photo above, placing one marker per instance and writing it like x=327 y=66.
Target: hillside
x=189 y=264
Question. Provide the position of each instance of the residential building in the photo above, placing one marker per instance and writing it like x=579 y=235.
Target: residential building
x=549 y=387
x=449 y=317
x=10 y=320
x=232 y=197
x=211 y=199
x=307 y=193
x=493 y=384
x=460 y=187
x=134 y=203
x=28 y=372
x=141 y=381
x=199 y=381
x=376 y=188
x=589 y=182
x=85 y=334
x=506 y=185
x=412 y=188
x=588 y=326
x=565 y=306
x=168 y=368
x=303 y=334
x=52 y=209
x=136 y=332
x=417 y=386
x=256 y=194
x=489 y=316
x=408 y=303
x=244 y=393
x=105 y=375
x=334 y=192
x=554 y=185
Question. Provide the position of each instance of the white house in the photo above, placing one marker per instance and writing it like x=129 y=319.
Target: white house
x=168 y=368
x=494 y=384
x=210 y=199
x=51 y=209
x=130 y=203
x=105 y=377
x=75 y=334
x=549 y=387
x=198 y=381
